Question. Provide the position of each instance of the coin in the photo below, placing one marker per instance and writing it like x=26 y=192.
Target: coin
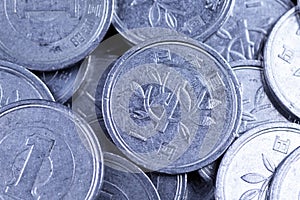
x=124 y=180
x=257 y=107
x=285 y=184
x=170 y=187
x=251 y=161
x=172 y=105
x=17 y=83
x=243 y=35
x=139 y=20
x=282 y=72
x=47 y=152
x=65 y=82
x=50 y=35
x=209 y=172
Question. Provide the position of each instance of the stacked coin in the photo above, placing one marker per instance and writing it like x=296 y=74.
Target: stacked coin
x=191 y=100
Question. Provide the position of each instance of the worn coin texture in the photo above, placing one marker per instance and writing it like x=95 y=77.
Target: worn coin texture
x=65 y=82
x=243 y=35
x=139 y=20
x=285 y=184
x=125 y=181
x=282 y=69
x=172 y=105
x=250 y=162
x=17 y=83
x=47 y=152
x=257 y=107
x=50 y=35
x=170 y=187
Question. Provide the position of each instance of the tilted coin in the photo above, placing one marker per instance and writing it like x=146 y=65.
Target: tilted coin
x=285 y=184
x=172 y=105
x=125 y=181
x=50 y=35
x=170 y=187
x=139 y=20
x=47 y=152
x=65 y=82
x=282 y=69
x=243 y=35
x=257 y=107
x=249 y=164
x=17 y=83
x=209 y=172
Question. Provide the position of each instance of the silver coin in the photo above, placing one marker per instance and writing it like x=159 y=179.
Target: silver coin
x=243 y=35
x=50 y=35
x=139 y=20
x=257 y=107
x=47 y=152
x=285 y=184
x=209 y=172
x=172 y=105
x=170 y=187
x=282 y=72
x=125 y=181
x=249 y=164
x=17 y=83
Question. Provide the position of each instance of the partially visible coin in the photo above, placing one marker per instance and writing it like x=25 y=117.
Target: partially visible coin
x=243 y=35
x=139 y=20
x=257 y=108
x=170 y=187
x=282 y=65
x=125 y=181
x=50 y=35
x=172 y=105
x=285 y=184
x=209 y=172
x=47 y=152
x=17 y=83
x=251 y=161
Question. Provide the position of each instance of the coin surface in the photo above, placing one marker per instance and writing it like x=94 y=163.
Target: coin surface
x=172 y=105
x=257 y=107
x=47 y=152
x=251 y=161
x=282 y=71
x=285 y=184
x=17 y=83
x=243 y=35
x=50 y=35
x=123 y=180
x=139 y=20
x=170 y=187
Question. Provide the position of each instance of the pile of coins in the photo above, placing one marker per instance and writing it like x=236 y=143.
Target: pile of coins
x=139 y=99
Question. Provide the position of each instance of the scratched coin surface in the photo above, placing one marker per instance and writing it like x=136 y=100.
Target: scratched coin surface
x=243 y=35
x=125 y=181
x=172 y=105
x=50 y=35
x=139 y=20
x=17 y=83
x=257 y=108
x=170 y=187
x=286 y=185
x=47 y=152
x=250 y=162
x=282 y=65
x=65 y=82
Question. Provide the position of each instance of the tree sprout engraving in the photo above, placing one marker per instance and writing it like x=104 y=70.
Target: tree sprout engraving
x=256 y=178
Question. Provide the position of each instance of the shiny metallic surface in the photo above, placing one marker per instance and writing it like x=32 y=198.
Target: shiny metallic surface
x=209 y=172
x=50 y=35
x=282 y=72
x=243 y=35
x=47 y=152
x=139 y=20
x=257 y=107
x=285 y=184
x=250 y=162
x=172 y=105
